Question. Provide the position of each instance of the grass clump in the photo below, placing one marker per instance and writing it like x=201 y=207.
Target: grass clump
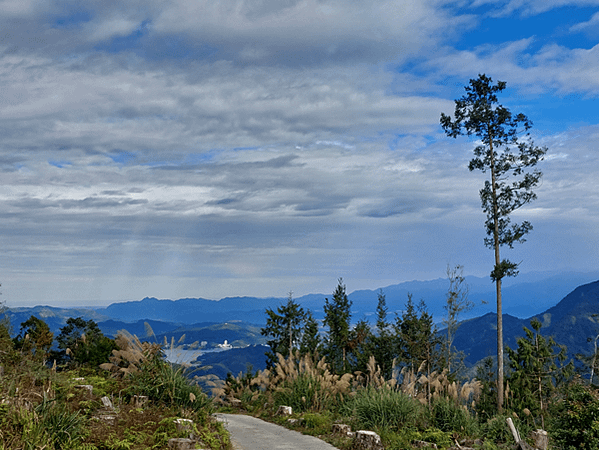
x=448 y=416
x=386 y=408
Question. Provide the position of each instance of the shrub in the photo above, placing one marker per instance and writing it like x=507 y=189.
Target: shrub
x=575 y=419
x=63 y=427
x=165 y=383
x=384 y=408
x=496 y=430
x=318 y=423
x=447 y=416
x=303 y=393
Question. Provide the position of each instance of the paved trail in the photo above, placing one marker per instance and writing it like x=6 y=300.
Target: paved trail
x=249 y=433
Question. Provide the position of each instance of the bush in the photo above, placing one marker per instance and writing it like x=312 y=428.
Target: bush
x=164 y=383
x=575 y=419
x=303 y=393
x=447 y=416
x=378 y=409
x=318 y=423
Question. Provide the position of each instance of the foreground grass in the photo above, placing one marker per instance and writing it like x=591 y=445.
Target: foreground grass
x=97 y=409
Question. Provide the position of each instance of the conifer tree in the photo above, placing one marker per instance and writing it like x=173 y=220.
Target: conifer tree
x=311 y=342
x=416 y=336
x=285 y=327
x=360 y=346
x=506 y=152
x=382 y=339
x=537 y=368
x=337 y=320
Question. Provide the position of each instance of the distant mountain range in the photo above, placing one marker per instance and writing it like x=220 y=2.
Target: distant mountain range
x=565 y=303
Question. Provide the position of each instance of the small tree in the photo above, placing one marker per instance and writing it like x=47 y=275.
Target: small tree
x=337 y=318
x=537 y=368
x=285 y=327
x=478 y=113
x=382 y=339
x=311 y=342
x=82 y=343
x=360 y=346
x=457 y=303
x=35 y=337
x=416 y=339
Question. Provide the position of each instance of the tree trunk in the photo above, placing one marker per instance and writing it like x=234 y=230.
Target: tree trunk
x=498 y=277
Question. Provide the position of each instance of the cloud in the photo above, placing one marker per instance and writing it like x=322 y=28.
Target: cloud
x=506 y=8
x=589 y=27
x=553 y=68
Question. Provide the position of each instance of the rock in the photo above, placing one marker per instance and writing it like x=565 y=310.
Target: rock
x=139 y=401
x=185 y=426
x=342 y=429
x=181 y=444
x=367 y=440
x=88 y=387
x=284 y=411
x=110 y=420
x=424 y=444
x=107 y=403
x=540 y=439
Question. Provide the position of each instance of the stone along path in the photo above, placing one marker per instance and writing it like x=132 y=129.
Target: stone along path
x=249 y=433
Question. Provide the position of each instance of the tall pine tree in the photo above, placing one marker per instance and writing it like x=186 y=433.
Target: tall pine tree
x=508 y=154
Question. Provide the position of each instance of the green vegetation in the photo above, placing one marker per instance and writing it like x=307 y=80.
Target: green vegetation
x=418 y=393
x=63 y=406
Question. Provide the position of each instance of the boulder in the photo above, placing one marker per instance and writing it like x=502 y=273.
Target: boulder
x=367 y=440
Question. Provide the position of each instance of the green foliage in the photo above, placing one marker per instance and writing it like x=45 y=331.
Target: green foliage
x=575 y=419
x=382 y=339
x=318 y=423
x=302 y=393
x=285 y=327
x=457 y=303
x=63 y=427
x=448 y=416
x=49 y=426
x=166 y=383
x=486 y=374
x=435 y=436
x=337 y=318
x=83 y=344
x=416 y=337
x=360 y=346
x=537 y=368
x=310 y=342
x=477 y=113
x=34 y=337
x=496 y=430
x=376 y=409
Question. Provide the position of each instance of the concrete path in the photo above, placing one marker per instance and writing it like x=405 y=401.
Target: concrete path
x=249 y=433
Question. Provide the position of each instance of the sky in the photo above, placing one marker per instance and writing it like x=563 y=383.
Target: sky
x=214 y=148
